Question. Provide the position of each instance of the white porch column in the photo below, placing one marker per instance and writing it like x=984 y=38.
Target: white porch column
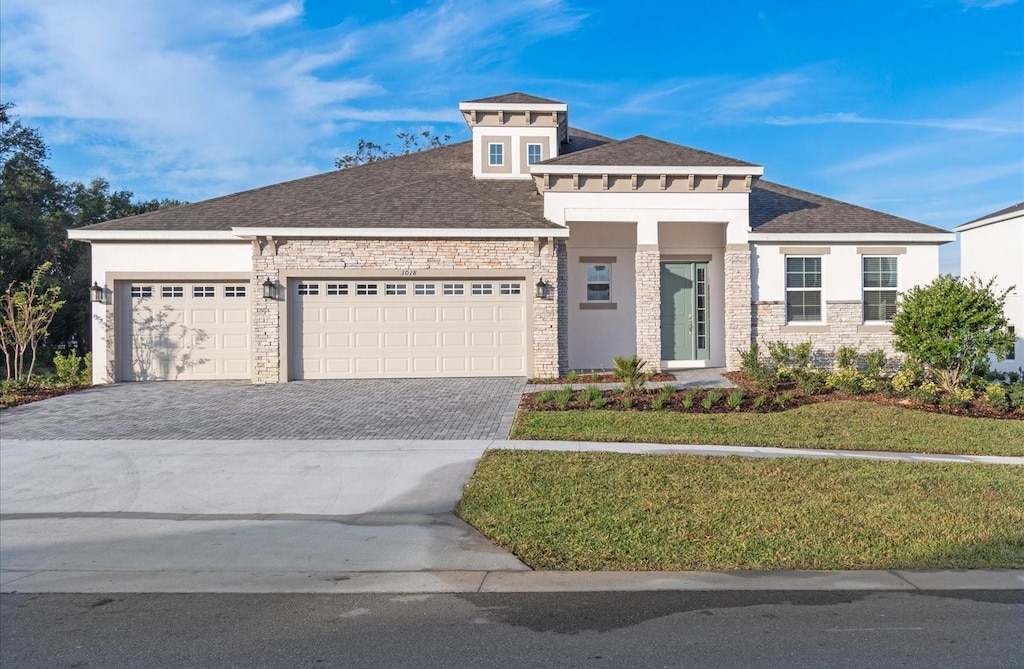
x=648 y=293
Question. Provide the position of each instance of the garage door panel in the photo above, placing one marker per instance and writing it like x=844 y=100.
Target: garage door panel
x=183 y=331
x=427 y=327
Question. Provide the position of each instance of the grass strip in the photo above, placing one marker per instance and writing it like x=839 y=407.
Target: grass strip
x=609 y=511
x=833 y=425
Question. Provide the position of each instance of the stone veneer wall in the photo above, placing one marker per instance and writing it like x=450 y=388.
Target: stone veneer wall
x=843 y=327
x=738 y=312
x=648 y=305
x=550 y=336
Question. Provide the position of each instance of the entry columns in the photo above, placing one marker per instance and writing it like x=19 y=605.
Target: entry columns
x=648 y=293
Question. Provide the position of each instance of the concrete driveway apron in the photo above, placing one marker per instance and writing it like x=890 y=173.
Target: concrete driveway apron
x=241 y=514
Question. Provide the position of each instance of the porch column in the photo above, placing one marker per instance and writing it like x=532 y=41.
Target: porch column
x=648 y=294
x=738 y=317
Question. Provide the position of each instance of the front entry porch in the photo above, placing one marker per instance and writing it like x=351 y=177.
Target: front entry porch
x=685 y=314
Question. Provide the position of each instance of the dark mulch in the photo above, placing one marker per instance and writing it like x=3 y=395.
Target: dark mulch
x=36 y=394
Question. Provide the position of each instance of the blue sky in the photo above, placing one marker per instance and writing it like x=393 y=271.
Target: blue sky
x=911 y=107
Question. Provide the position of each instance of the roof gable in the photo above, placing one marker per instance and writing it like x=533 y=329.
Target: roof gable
x=645 y=151
x=516 y=98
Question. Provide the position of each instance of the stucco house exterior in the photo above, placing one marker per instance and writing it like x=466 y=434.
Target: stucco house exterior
x=992 y=247
x=532 y=249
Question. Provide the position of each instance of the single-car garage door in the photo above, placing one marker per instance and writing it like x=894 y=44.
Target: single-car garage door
x=177 y=331
x=373 y=328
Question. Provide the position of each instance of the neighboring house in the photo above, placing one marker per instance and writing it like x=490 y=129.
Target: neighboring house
x=530 y=250
x=992 y=247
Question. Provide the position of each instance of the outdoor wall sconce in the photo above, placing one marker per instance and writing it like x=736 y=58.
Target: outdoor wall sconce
x=269 y=289
x=542 y=289
x=97 y=293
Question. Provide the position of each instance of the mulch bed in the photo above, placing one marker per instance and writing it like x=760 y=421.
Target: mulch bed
x=36 y=394
x=782 y=399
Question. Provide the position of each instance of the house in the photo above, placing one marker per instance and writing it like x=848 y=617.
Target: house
x=532 y=249
x=992 y=247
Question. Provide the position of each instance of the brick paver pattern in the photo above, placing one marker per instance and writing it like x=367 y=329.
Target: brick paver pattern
x=356 y=409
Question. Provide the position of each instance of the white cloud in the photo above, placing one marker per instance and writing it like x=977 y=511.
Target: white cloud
x=984 y=4
x=978 y=124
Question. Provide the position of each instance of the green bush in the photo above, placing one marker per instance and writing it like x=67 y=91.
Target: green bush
x=997 y=397
x=563 y=397
x=735 y=399
x=875 y=362
x=711 y=399
x=590 y=393
x=763 y=375
x=67 y=367
x=812 y=383
x=1015 y=391
x=958 y=400
x=802 y=353
x=630 y=371
x=927 y=392
x=545 y=396
x=846 y=358
x=627 y=403
x=780 y=353
x=688 y=399
x=847 y=380
x=758 y=401
x=658 y=402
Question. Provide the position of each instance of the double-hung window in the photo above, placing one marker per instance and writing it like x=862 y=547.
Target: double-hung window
x=880 y=280
x=533 y=153
x=803 y=289
x=495 y=154
x=599 y=282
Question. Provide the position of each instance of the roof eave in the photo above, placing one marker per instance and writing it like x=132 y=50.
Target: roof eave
x=540 y=169
x=393 y=233
x=854 y=237
x=989 y=221
x=514 y=106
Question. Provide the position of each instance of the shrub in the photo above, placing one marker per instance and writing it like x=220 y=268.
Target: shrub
x=812 y=383
x=590 y=393
x=627 y=403
x=802 y=353
x=85 y=376
x=875 y=362
x=758 y=401
x=67 y=367
x=545 y=396
x=735 y=399
x=688 y=400
x=630 y=370
x=763 y=375
x=563 y=397
x=598 y=402
x=905 y=379
x=1015 y=391
x=958 y=400
x=783 y=399
x=658 y=402
x=997 y=397
x=780 y=353
x=846 y=358
x=571 y=376
x=951 y=326
x=927 y=392
x=711 y=399
x=847 y=380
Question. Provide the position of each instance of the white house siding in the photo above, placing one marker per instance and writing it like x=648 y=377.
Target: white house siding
x=996 y=251
x=842 y=293
x=115 y=262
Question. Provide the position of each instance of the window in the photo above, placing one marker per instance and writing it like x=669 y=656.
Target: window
x=309 y=289
x=366 y=289
x=142 y=291
x=483 y=289
x=424 y=289
x=234 y=291
x=203 y=291
x=495 y=154
x=803 y=289
x=510 y=289
x=879 y=288
x=336 y=289
x=453 y=289
x=533 y=153
x=599 y=283
x=394 y=289
x=1011 y=354
x=171 y=291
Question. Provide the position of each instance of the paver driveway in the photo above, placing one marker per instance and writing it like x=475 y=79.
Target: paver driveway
x=358 y=409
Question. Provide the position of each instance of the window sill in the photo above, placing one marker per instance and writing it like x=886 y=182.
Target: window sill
x=801 y=328
x=598 y=306
x=870 y=327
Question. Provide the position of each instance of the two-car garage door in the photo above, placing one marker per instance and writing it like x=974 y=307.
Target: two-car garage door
x=416 y=327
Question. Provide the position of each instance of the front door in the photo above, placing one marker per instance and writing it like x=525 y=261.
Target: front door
x=684 y=311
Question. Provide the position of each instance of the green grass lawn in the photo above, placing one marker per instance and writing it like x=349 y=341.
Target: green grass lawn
x=839 y=424
x=608 y=511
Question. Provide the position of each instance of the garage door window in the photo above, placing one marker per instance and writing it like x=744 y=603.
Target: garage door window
x=142 y=291
x=483 y=289
x=336 y=289
x=172 y=291
x=394 y=289
x=309 y=289
x=234 y=291
x=203 y=291
x=425 y=289
x=510 y=289
x=454 y=289
x=366 y=289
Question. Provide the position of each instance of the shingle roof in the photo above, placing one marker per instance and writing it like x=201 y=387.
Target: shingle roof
x=1009 y=210
x=517 y=98
x=429 y=189
x=781 y=209
x=648 y=152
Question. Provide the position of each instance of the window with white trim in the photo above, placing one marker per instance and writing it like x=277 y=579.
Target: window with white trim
x=1011 y=354
x=495 y=154
x=483 y=289
x=533 y=153
x=366 y=289
x=234 y=291
x=394 y=289
x=599 y=282
x=803 y=289
x=203 y=291
x=879 y=281
x=510 y=289
x=337 y=289
x=142 y=291
x=309 y=289
x=171 y=291
x=453 y=289
x=424 y=289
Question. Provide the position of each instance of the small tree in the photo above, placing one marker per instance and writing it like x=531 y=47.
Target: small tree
x=371 y=152
x=951 y=326
x=25 y=316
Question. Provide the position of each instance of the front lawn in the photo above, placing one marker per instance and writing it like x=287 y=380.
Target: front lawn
x=608 y=511
x=836 y=425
